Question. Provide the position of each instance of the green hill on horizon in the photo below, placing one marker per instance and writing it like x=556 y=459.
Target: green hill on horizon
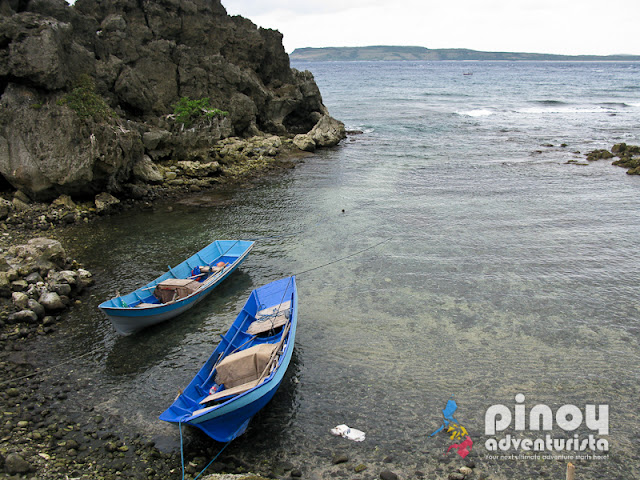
x=409 y=53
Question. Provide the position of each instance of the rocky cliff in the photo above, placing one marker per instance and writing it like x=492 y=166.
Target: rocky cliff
x=88 y=92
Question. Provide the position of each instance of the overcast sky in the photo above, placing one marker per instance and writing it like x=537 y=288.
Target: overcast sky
x=573 y=27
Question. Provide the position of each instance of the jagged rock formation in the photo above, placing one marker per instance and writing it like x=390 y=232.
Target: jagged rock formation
x=86 y=89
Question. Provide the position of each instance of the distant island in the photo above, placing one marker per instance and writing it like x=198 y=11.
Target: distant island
x=390 y=53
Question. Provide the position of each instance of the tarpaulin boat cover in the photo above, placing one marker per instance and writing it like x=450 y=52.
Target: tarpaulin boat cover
x=244 y=366
x=173 y=289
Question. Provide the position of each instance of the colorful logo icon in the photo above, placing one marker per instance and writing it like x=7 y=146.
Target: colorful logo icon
x=455 y=430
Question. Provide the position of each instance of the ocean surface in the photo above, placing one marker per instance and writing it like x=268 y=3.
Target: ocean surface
x=508 y=266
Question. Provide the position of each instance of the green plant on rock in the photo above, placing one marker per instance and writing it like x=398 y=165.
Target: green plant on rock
x=187 y=111
x=84 y=100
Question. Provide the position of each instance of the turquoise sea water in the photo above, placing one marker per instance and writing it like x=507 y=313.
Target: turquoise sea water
x=507 y=270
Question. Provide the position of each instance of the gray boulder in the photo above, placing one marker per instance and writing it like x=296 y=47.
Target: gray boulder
x=20 y=300
x=84 y=279
x=153 y=138
x=23 y=316
x=328 y=132
x=20 y=205
x=19 y=285
x=61 y=288
x=36 y=308
x=5 y=285
x=388 y=475
x=197 y=169
x=51 y=302
x=304 y=142
x=15 y=463
x=63 y=276
x=147 y=171
x=33 y=277
x=105 y=202
x=23 y=197
x=5 y=208
x=38 y=251
x=64 y=201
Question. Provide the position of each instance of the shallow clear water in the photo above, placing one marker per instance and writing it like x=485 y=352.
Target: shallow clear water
x=506 y=270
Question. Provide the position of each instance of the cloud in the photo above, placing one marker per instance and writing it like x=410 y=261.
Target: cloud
x=538 y=26
x=296 y=7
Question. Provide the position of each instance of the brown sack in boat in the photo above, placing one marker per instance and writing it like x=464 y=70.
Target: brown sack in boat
x=174 y=289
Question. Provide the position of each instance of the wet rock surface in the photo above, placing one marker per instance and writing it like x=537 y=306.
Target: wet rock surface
x=237 y=160
x=628 y=157
x=40 y=439
x=37 y=282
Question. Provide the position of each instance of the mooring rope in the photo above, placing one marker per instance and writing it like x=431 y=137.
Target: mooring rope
x=214 y=458
x=343 y=258
x=181 y=447
x=292 y=234
x=182 y=453
x=72 y=359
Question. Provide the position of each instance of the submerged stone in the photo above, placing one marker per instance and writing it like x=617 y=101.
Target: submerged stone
x=14 y=463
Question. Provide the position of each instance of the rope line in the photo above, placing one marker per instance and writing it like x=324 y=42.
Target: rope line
x=214 y=459
x=181 y=448
x=343 y=258
x=72 y=359
x=182 y=453
x=302 y=230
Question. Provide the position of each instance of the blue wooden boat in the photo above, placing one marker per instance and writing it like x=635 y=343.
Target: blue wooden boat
x=178 y=289
x=245 y=369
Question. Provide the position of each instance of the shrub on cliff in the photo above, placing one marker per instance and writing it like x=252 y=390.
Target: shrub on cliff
x=86 y=102
x=187 y=111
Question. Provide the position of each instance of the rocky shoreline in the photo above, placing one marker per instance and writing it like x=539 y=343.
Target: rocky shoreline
x=39 y=282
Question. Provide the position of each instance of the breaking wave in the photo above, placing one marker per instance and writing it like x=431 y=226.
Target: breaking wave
x=479 y=112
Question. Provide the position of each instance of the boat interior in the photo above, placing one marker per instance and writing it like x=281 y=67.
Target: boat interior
x=240 y=369
x=174 y=286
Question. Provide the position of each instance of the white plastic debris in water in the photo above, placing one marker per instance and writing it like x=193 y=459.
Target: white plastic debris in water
x=350 y=433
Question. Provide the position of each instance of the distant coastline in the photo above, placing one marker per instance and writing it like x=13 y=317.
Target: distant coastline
x=402 y=53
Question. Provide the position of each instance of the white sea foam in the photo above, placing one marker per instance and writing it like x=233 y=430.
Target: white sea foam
x=479 y=112
x=563 y=110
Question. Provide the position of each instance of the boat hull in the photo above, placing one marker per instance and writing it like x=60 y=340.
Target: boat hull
x=129 y=319
x=228 y=420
